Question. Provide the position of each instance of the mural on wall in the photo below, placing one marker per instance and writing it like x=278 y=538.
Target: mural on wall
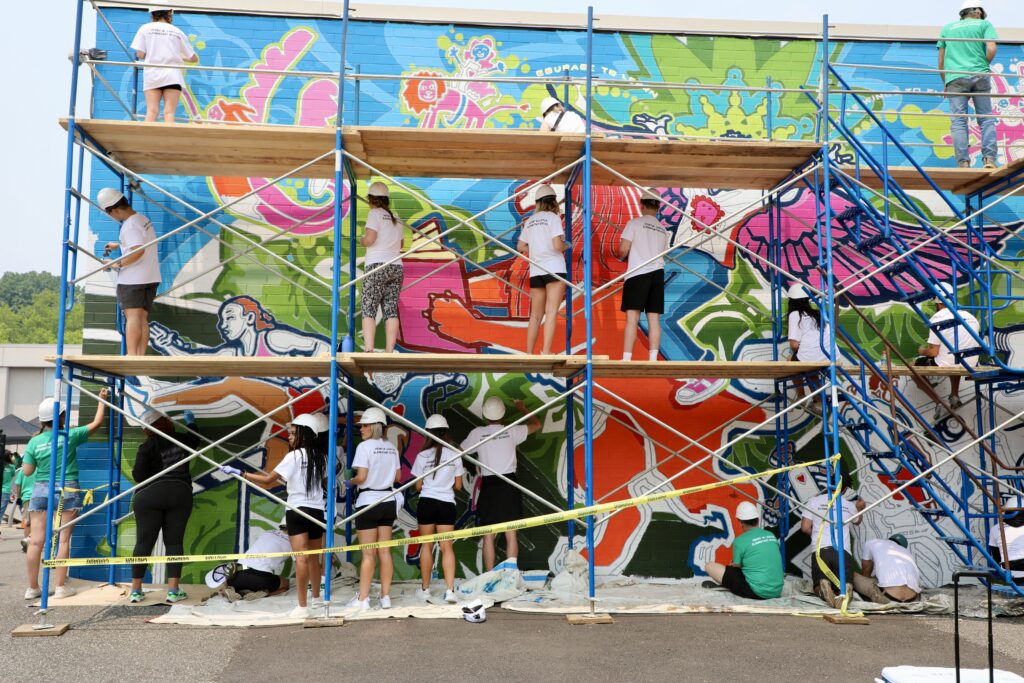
x=645 y=432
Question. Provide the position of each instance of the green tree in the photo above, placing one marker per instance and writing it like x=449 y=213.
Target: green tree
x=36 y=323
x=18 y=290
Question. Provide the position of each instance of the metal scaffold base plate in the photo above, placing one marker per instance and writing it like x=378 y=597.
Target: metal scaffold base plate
x=34 y=631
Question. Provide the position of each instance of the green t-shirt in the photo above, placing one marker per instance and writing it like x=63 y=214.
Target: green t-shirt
x=26 y=482
x=37 y=453
x=757 y=553
x=964 y=57
x=8 y=479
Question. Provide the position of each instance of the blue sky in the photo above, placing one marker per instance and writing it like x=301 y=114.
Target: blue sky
x=32 y=167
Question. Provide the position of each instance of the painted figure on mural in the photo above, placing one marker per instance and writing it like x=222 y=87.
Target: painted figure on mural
x=161 y=43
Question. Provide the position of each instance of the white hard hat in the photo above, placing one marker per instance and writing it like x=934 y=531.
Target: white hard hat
x=322 y=422
x=546 y=104
x=747 y=511
x=378 y=189
x=216 y=577
x=373 y=416
x=797 y=292
x=474 y=612
x=494 y=408
x=107 y=197
x=46 y=410
x=971 y=4
x=543 y=191
x=437 y=422
x=149 y=418
x=946 y=289
x=160 y=8
x=307 y=420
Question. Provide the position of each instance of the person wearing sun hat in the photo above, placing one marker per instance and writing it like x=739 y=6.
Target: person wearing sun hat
x=756 y=569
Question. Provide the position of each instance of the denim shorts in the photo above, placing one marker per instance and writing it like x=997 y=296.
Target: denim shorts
x=72 y=499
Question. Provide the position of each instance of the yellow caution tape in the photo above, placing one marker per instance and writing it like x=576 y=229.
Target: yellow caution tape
x=529 y=522
x=824 y=567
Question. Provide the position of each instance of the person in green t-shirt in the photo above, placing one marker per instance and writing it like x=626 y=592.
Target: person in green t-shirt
x=39 y=461
x=966 y=50
x=756 y=570
x=8 y=481
x=22 y=492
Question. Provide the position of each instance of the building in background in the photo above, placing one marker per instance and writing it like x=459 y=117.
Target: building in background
x=26 y=379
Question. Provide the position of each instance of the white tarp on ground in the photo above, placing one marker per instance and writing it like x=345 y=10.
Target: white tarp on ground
x=923 y=674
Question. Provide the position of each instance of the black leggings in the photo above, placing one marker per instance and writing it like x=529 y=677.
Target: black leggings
x=253 y=580
x=161 y=506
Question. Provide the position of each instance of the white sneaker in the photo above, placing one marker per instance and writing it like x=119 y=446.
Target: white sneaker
x=449 y=597
x=385 y=602
x=317 y=603
x=32 y=593
x=423 y=594
x=63 y=592
x=299 y=612
x=357 y=604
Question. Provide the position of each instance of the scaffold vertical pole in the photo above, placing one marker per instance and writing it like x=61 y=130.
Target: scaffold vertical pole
x=570 y=401
x=588 y=295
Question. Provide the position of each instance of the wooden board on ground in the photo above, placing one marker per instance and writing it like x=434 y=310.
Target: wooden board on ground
x=584 y=619
x=846 y=619
x=328 y=622
x=30 y=631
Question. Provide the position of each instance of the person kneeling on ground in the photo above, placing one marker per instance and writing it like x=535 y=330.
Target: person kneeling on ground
x=256 y=577
x=1014 y=530
x=756 y=570
x=815 y=514
x=888 y=572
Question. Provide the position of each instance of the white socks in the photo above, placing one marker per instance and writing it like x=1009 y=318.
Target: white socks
x=653 y=355
x=627 y=356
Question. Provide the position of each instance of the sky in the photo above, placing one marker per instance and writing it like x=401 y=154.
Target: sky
x=32 y=166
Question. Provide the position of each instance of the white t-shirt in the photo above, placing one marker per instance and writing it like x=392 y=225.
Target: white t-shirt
x=539 y=231
x=292 y=469
x=803 y=330
x=380 y=458
x=957 y=336
x=136 y=231
x=819 y=504
x=498 y=454
x=440 y=484
x=390 y=234
x=647 y=238
x=163 y=43
x=1014 y=543
x=275 y=541
x=894 y=565
x=571 y=122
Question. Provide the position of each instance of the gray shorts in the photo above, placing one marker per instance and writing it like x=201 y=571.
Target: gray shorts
x=40 y=493
x=137 y=296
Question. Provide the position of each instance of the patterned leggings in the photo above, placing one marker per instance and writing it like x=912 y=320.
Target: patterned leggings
x=381 y=289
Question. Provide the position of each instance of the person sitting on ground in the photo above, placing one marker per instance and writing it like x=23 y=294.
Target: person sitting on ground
x=756 y=570
x=256 y=577
x=817 y=513
x=1014 y=530
x=436 y=509
x=943 y=344
x=160 y=42
x=808 y=338
x=162 y=506
x=543 y=241
x=557 y=119
x=499 y=501
x=643 y=241
x=888 y=572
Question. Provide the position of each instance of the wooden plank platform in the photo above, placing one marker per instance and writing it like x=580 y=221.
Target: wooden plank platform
x=709 y=369
x=211 y=149
x=960 y=181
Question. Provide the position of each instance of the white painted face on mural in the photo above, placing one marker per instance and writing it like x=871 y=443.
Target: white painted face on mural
x=233 y=322
x=428 y=91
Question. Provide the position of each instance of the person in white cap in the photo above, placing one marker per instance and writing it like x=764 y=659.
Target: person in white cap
x=499 y=501
x=543 y=241
x=382 y=284
x=938 y=350
x=164 y=505
x=966 y=50
x=808 y=336
x=255 y=575
x=160 y=42
x=756 y=568
x=888 y=572
x=555 y=118
x=138 y=271
x=643 y=241
x=377 y=470
x=435 y=511
x=304 y=471
x=39 y=461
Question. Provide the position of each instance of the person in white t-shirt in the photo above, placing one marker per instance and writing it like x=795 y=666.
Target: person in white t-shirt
x=499 y=501
x=942 y=344
x=382 y=285
x=643 y=241
x=1014 y=530
x=888 y=572
x=557 y=119
x=256 y=574
x=815 y=514
x=138 y=270
x=543 y=241
x=303 y=470
x=808 y=336
x=377 y=470
x=436 y=509
x=160 y=42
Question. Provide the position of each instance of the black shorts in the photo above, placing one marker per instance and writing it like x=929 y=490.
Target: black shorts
x=136 y=296
x=736 y=582
x=434 y=511
x=297 y=524
x=175 y=86
x=499 y=501
x=254 y=580
x=644 y=293
x=830 y=556
x=542 y=281
x=383 y=514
